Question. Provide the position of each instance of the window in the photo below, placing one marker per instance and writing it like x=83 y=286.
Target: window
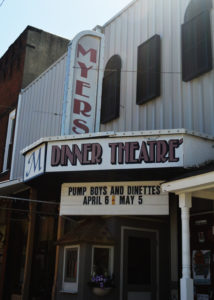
x=9 y=141
x=196 y=40
x=71 y=269
x=110 y=107
x=148 y=70
x=102 y=260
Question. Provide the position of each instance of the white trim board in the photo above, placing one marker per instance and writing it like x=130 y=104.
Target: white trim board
x=190 y=184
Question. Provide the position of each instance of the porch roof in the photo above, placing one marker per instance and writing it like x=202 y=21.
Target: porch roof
x=200 y=183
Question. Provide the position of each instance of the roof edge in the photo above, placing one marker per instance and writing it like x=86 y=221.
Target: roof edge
x=117 y=134
x=119 y=13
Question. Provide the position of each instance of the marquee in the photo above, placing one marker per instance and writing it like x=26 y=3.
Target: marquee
x=71 y=154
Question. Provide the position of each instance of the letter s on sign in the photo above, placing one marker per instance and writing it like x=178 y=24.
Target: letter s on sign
x=79 y=124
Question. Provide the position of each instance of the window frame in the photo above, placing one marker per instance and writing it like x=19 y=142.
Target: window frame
x=9 y=139
x=70 y=287
x=111 y=258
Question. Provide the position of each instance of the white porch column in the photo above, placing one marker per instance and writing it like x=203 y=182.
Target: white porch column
x=186 y=282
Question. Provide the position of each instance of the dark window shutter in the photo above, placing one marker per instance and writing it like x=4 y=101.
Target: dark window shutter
x=196 y=47
x=195 y=8
x=148 y=70
x=110 y=107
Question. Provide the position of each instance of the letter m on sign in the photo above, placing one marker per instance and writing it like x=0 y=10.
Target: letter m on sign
x=93 y=53
x=34 y=163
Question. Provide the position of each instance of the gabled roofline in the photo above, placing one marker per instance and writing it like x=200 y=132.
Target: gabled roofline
x=119 y=13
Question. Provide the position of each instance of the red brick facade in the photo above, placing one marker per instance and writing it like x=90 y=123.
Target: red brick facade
x=11 y=74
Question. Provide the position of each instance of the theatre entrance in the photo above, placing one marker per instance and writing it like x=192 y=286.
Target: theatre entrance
x=139 y=264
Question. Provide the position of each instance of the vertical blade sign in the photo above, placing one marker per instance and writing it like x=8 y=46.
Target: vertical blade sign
x=84 y=81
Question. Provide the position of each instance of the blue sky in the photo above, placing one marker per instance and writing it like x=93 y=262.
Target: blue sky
x=63 y=17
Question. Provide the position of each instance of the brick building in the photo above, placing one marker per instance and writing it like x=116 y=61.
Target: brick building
x=31 y=53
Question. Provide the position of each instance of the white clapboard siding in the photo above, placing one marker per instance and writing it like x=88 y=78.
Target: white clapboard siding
x=181 y=105
x=39 y=112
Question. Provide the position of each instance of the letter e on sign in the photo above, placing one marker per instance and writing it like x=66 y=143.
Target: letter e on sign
x=34 y=162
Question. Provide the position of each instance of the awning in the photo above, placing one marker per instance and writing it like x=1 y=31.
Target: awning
x=199 y=183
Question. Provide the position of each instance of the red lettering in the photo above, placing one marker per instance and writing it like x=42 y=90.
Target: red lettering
x=81 y=125
x=55 y=156
x=66 y=155
x=79 y=87
x=93 y=53
x=174 y=144
x=121 y=149
x=86 y=149
x=113 y=147
x=96 y=155
x=77 y=153
x=86 y=107
x=133 y=147
x=151 y=145
x=162 y=150
x=84 y=69
x=143 y=156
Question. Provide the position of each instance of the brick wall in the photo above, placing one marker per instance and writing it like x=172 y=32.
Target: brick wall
x=11 y=73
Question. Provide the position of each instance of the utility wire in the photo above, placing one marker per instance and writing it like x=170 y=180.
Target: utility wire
x=128 y=71
x=41 y=213
x=29 y=200
x=28 y=211
x=2 y=3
